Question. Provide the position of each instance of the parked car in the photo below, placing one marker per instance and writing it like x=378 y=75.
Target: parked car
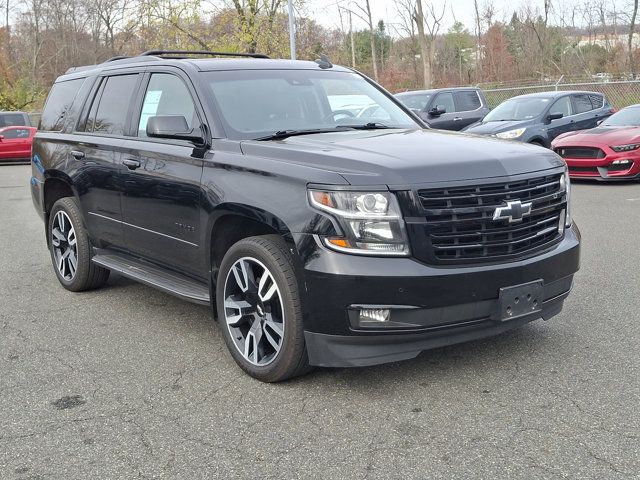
x=608 y=152
x=15 y=144
x=447 y=108
x=316 y=240
x=538 y=118
x=14 y=119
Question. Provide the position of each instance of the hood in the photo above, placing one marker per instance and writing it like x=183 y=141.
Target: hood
x=405 y=157
x=610 y=136
x=491 y=128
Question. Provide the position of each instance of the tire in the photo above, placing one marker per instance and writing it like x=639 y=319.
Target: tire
x=68 y=239
x=259 y=309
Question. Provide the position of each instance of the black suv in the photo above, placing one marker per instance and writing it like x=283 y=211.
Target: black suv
x=447 y=108
x=317 y=240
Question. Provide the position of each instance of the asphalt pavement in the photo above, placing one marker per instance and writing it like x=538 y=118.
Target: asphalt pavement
x=128 y=382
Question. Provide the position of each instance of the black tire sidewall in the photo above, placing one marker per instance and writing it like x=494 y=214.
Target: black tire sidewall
x=293 y=343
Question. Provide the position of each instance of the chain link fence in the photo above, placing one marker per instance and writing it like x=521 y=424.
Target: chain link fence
x=620 y=92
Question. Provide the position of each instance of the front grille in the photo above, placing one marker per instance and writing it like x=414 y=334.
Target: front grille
x=460 y=227
x=580 y=152
x=582 y=169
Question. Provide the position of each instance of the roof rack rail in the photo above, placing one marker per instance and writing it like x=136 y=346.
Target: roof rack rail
x=117 y=57
x=158 y=53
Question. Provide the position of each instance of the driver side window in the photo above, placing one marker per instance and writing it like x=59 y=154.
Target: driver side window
x=166 y=95
x=444 y=99
x=563 y=106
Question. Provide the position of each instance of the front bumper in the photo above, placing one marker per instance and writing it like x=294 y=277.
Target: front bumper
x=447 y=304
x=603 y=169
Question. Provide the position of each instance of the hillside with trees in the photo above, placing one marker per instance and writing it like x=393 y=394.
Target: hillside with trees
x=41 y=39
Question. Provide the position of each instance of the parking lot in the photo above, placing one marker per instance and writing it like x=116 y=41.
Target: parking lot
x=129 y=382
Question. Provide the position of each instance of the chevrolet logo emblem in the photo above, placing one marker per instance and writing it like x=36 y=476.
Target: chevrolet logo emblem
x=514 y=211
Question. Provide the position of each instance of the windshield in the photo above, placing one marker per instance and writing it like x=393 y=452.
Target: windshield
x=625 y=117
x=417 y=102
x=258 y=103
x=518 y=109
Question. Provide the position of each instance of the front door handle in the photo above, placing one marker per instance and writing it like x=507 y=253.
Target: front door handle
x=77 y=154
x=131 y=164
x=457 y=119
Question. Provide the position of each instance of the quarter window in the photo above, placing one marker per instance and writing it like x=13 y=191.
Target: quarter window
x=108 y=114
x=597 y=101
x=58 y=104
x=166 y=95
x=445 y=99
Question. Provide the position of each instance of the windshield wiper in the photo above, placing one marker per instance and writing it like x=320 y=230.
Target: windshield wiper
x=282 y=134
x=369 y=126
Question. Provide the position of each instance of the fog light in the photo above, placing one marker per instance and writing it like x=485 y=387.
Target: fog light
x=374 y=315
x=620 y=162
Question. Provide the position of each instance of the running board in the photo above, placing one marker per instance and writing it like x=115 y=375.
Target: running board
x=168 y=281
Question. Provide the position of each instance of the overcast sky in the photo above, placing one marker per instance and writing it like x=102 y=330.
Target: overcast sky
x=325 y=11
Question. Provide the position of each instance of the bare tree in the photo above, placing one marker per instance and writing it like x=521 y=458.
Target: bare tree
x=366 y=16
x=428 y=29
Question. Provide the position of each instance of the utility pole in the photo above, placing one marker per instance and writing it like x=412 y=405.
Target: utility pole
x=292 y=30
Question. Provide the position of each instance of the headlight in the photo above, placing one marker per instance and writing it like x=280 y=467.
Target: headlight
x=371 y=222
x=626 y=148
x=565 y=186
x=511 y=134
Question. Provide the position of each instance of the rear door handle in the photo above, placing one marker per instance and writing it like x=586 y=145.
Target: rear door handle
x=77 y=154
x=130 y=163
x=457 y=119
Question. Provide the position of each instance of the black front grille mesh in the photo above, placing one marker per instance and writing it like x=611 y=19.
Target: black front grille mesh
x=580 y=152
x=460 y=226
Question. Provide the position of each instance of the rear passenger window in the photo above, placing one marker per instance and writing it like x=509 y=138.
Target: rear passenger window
x=582 y=103
x=445 y=99
x=58 y=104
x=467 y=100
x=166 y=95
x=108 y=114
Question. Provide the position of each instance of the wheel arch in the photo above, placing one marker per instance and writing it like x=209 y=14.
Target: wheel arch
x=56 y=186
x=232 y=222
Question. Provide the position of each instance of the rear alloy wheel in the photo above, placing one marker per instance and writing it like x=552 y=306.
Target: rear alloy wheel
x=71 y=250
x=260 y=310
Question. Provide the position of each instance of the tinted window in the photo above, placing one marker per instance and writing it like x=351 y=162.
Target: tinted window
x=445 y=99
x=13 y=119
x=166 y=95
x=562 y=105
x=417 y=102
x=16 y=133
x=113 y=100
x=582 y=103
x=58 y=104
x=467 y=100
x=597 y=101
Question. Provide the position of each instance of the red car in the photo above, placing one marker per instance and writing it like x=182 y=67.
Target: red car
x=15 y=144
x=610 y=151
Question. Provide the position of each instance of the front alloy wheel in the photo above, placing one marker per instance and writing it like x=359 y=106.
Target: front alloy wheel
x=260 y=309
x=253 y=311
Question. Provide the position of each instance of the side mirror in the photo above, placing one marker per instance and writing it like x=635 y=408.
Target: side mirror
x=438 y=110
x=1 y=137
x=554 y=116
x=173 y=127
